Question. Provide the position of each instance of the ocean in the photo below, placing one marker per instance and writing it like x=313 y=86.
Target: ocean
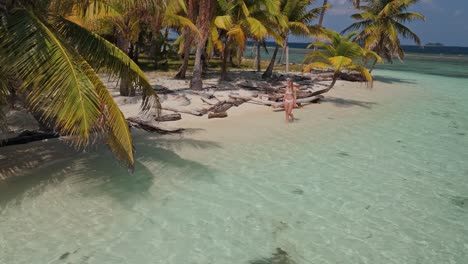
x=377 y=177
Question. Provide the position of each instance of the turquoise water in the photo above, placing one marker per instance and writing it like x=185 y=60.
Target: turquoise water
x=380 y=181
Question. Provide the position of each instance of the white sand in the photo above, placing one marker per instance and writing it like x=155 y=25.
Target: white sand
x=184 y=99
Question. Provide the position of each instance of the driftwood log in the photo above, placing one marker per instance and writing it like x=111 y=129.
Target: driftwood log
x=217 y=115
x=139 y=123
x=168 y=117
x=183 y=111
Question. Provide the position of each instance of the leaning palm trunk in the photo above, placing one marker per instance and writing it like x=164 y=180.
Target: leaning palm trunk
x=326 y=90
x=269 y=70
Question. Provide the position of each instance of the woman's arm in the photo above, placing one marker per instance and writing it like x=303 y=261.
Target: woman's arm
x=295 y=96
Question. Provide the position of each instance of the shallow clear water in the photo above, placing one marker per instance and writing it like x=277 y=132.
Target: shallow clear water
x=387 y=185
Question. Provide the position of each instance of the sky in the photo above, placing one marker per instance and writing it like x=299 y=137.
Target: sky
x=446 y=21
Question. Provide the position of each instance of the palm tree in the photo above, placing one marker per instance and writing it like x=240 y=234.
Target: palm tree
x=298 y=20
x=187 y=39
x=57 y=61
x=243 y=19
x=340 y=54
x=381 y=23
x=205 y=14
x=125 y=23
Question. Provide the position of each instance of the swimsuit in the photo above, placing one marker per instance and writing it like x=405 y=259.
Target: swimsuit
x=289 y=101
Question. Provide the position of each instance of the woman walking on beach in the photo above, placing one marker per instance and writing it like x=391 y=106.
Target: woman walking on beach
x=289 y=100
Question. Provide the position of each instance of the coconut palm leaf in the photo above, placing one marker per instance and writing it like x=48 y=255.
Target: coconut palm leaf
x=340 y=55
x=381 y=25
x=59 y=88
x=61 y=85
x=101 y=54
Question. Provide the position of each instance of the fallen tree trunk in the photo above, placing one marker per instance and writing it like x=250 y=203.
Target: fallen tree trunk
x=28 y=136
x=190 y=112
x=168 y=117
x=137 y=122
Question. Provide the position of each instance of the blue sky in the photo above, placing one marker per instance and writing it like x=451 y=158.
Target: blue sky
x=446 y=20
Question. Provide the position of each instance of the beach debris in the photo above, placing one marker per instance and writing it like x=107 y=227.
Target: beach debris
x=209 y=102
x=183 y=111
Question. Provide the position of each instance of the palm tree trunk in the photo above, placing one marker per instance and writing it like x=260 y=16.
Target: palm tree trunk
x=196 y=82
x=166 y=40
x=259 y=60
x=326 y=90
x=206 y=8
x=269 y=70
x=125 y=88
x=187 y=42
x=226 y=54
x=186 y=56
x=373 y=66
x=231 y=60
x=322 y=14
x=283 y=52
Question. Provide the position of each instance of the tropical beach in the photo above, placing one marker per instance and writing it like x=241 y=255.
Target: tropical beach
x=369 y=171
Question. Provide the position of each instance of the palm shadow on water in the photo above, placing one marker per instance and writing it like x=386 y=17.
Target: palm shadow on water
x=392 y=80
x=97 y=172
x=341 y=102
x=278 y=257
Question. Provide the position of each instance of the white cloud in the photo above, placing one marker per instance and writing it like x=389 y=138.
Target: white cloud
x=341 y=8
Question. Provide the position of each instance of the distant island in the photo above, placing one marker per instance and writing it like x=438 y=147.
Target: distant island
x=436 y=44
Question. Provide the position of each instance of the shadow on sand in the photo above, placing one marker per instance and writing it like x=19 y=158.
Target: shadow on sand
x=47 y=164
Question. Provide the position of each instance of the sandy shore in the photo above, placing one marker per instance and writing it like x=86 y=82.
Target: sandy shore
x=345 y=101
x=175 y=94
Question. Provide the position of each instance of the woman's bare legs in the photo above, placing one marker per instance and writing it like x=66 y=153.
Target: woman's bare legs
x=286 y=106
x=290 y=109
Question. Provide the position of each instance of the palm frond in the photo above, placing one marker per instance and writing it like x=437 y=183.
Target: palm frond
x=53 y=80
x=317 y=65
x=102 y=54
